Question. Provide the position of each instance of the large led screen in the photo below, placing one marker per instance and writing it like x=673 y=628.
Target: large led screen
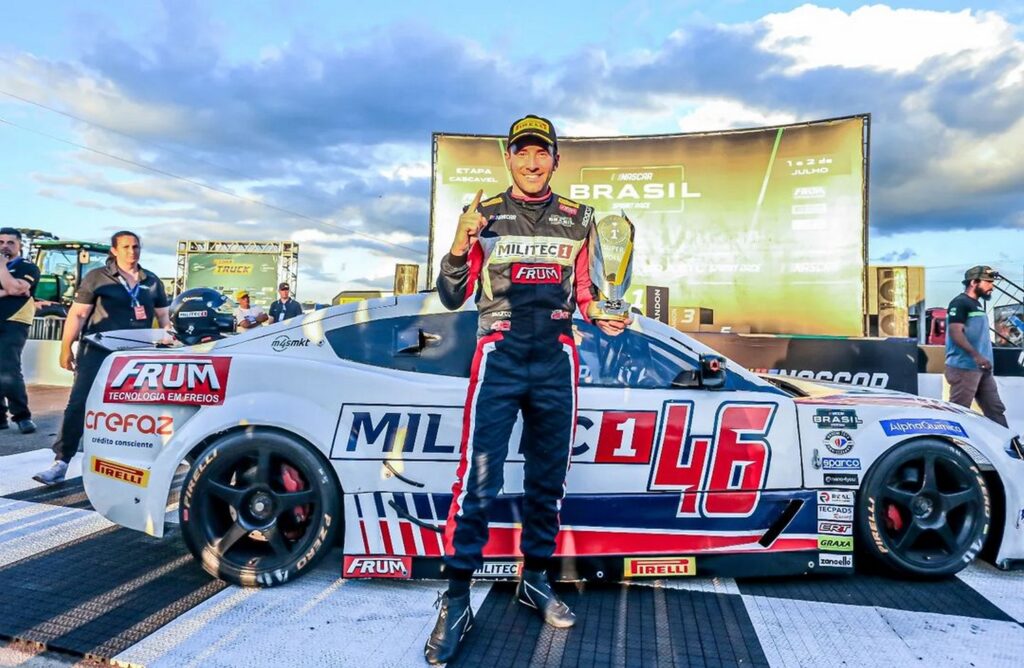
x=766 y=227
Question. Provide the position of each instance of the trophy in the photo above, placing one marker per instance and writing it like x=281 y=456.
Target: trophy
x=611 y=265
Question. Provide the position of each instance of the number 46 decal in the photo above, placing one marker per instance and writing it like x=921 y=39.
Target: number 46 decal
x=731 y=464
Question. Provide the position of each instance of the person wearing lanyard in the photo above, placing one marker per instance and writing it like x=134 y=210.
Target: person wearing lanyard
x=285 y=307
x=121 y=295
x=18 y=280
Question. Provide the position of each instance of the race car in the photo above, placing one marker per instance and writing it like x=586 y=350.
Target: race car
x=342 y=427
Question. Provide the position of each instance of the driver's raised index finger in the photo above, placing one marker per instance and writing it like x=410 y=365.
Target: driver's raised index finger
x=476 y=200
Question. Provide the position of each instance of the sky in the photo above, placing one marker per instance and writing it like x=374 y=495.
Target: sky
x=312 y=121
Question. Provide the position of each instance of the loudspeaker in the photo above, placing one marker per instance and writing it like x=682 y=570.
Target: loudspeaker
x=893 y=302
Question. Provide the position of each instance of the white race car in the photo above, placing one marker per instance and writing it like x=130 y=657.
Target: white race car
x=342 y=427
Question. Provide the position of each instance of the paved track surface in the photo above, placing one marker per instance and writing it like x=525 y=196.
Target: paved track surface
x=76 y=587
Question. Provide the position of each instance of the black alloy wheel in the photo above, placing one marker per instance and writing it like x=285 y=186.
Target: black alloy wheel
x=259 y=508
x=924 y=509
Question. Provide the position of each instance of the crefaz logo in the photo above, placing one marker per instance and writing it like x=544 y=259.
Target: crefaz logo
x=536 y=274
x=377 y=567
x=284 y=342
x=160 y=425
x=192 y=381
x=923 y=426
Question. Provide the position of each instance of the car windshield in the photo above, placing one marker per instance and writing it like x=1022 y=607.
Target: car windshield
x=63 y=261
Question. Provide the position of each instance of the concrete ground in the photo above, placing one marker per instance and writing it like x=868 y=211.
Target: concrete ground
x=47 y=403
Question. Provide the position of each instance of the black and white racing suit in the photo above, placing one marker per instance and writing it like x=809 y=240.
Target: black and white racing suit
x=529 y=268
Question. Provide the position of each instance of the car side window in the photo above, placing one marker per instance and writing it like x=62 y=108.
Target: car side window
x=438 y=343
x=630 y=359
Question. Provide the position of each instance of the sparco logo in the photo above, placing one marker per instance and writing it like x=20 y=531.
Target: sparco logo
x=161 y=425
x=194 y=381
x=284 y=342
x=378 y=567
x=536 y=273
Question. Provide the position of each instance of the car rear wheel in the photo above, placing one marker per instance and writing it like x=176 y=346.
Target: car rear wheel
x=924 y=510
x=259 y=508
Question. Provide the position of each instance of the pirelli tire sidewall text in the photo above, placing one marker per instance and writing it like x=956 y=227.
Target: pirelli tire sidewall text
x=323 y=527
x=878 y=541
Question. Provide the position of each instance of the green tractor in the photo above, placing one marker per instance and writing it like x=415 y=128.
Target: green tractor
x=61 y=266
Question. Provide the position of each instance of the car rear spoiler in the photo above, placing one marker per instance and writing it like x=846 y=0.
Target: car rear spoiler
x=132 y=339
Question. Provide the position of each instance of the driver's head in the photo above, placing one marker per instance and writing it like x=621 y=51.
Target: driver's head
x=10 y=242
x=532 y=155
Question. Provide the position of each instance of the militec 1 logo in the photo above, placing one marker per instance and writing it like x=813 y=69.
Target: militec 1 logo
x=185 y=380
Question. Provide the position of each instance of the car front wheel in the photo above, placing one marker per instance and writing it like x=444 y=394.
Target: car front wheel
x=259 y=508
x=924 y=509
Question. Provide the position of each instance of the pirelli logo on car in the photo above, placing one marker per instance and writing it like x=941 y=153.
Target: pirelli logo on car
x=122 y=472
x=659 y=567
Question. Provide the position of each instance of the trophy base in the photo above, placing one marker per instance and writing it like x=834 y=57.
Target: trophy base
x=608 y=310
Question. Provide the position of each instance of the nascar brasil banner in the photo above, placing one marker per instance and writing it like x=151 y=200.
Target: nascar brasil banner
x=230 y=272
x=767 y=227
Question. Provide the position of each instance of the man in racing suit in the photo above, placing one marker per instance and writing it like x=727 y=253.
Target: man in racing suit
x=524 y=254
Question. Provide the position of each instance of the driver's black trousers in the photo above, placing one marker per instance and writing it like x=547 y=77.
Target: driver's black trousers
x=88 y=362
x=510 y=373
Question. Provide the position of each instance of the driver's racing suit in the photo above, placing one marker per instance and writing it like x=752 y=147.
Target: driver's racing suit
x=532 y=266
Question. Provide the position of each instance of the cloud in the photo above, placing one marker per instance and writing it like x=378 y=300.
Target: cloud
x=330 y=143
x=897 y=256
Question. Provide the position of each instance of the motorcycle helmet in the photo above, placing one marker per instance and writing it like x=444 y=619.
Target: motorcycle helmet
x=196 y=319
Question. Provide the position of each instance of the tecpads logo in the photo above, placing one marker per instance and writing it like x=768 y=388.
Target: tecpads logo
x=185 y=380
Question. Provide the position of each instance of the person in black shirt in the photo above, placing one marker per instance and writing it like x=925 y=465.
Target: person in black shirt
x=121 y=295
x=285 y=307
x=18 y=280
x=969 y=357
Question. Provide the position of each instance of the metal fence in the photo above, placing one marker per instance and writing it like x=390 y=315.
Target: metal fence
x=46 y=329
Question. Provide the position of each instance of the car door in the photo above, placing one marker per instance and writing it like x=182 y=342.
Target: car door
x=652 y=457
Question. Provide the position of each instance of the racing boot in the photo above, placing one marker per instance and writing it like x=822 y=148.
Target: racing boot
x=534 y=591
x=453 y=623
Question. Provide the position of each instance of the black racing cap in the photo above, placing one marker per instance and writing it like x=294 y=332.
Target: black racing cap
x=534 y=126
x=981 y=272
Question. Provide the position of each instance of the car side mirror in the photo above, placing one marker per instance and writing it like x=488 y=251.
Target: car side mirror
x=712 y=371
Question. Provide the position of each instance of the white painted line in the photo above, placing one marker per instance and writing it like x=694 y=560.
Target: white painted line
x=1004 y=589
x=318 y=619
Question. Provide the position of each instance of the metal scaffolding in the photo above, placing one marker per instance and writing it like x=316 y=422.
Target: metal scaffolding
x=287 y=252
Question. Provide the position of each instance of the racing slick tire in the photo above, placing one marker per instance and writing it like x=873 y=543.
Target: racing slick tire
x=259 y=508
x=924 y=510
